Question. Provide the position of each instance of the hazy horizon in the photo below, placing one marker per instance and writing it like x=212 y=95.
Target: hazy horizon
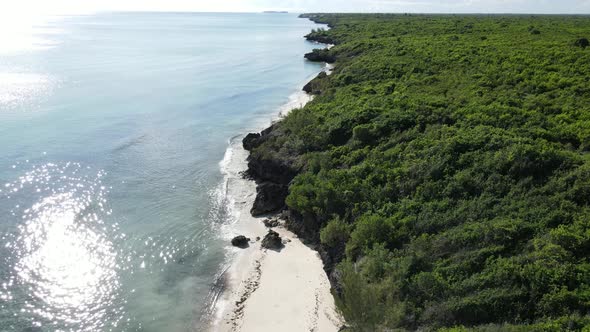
x=38 y=7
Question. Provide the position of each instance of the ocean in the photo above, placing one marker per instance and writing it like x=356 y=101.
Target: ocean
x=113 y=129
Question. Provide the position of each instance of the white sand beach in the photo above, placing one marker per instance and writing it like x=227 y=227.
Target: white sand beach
x=268 y=289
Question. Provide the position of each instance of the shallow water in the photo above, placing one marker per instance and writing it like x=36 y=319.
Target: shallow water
x=112 y=128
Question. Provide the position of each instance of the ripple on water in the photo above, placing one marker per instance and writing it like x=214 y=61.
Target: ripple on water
x=60 y=263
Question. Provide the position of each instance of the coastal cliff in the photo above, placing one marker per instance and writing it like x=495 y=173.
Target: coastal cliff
x=276 y=279
x=441 y=170
x=273 y=171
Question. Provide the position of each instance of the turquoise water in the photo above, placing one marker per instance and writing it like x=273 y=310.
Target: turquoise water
x=112 y=127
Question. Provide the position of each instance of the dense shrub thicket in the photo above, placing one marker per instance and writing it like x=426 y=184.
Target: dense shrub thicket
x=445 y=163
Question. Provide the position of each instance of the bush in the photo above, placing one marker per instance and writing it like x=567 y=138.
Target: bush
x=335 y=233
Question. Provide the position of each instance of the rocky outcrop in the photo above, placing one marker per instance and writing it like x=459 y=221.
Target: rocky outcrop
x=269 y=168
x=314 y=86
x=270 y=197
x=271 y=173
x=316 y=37
x=272 y=240
x=240 y=241
x=317 y=18
x=251 y=141
x=320 y=55
x=308 y=87
x=270 y=223
x=273 y=169
x=304 y=226
x=330 y=258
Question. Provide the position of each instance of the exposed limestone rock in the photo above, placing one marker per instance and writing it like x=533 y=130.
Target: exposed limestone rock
x=240 y=241
x=272 y=240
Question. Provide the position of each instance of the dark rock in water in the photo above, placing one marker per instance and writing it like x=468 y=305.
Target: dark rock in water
x=582 y=42
x=251 y=141
x=272 y=240
x=270 y=223
x=258 y=238
x=270 y=197
x=240 y=241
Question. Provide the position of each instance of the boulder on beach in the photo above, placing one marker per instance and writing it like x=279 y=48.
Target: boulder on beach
x=272 y=240
x=240 y=241
x=270 y=223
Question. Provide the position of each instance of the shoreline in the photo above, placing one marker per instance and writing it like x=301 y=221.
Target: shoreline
x=261 y=289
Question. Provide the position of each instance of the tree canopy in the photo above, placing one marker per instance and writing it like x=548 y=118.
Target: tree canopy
x=445 y=165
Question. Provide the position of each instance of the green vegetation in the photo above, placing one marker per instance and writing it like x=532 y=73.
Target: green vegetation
x=445 y=164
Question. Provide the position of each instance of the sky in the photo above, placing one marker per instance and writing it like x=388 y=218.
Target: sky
x=16 y=8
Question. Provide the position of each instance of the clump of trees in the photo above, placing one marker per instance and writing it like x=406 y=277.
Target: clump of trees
x=445 y=167
x=582 y=42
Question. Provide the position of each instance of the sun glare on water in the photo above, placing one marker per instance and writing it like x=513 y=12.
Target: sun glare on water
x=21 y=31
x=65 y=260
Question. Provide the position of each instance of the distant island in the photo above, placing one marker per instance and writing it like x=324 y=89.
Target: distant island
x=275 y=12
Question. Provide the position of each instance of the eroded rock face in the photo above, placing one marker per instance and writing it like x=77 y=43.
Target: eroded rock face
x=320 y=55
x=251 y=141
x=308 y=87
x=320 y=38
x=268 y=166
x=304 y=226
x=275 y=170
x=314 y=86
x=270 y=197
x=272 y=240
x=240 y=241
